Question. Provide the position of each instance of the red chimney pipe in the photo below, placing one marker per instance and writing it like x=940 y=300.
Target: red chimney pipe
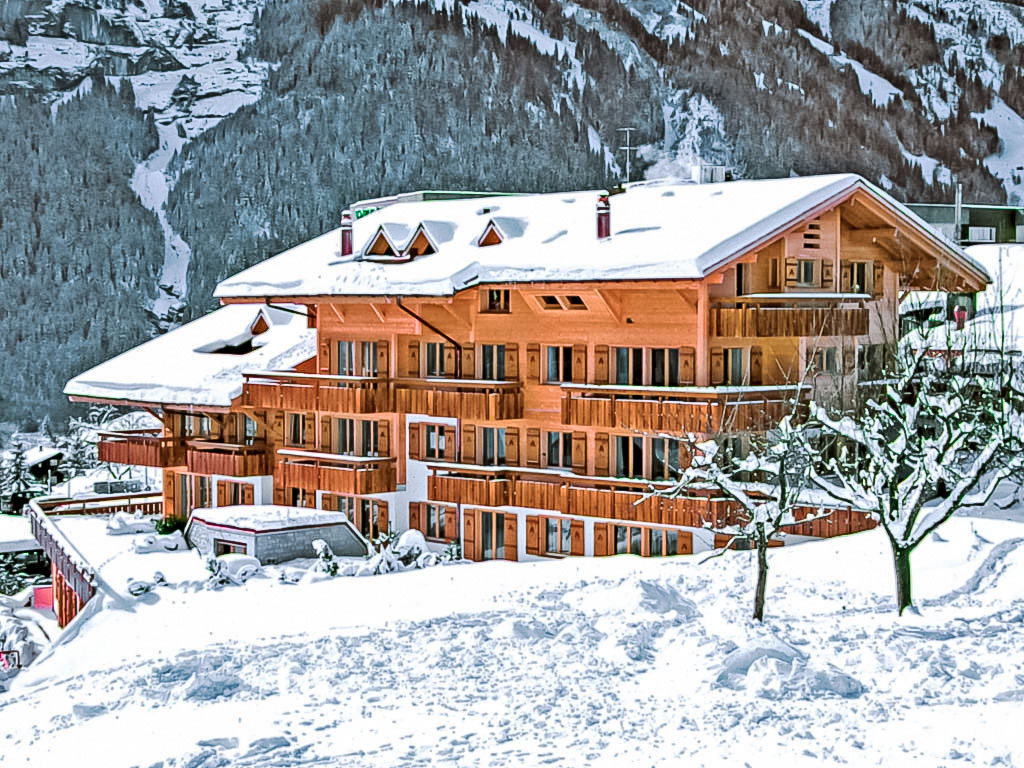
x=346 y=233
x=604 y=218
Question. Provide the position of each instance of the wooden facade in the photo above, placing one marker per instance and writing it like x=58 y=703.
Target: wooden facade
x=541 y=419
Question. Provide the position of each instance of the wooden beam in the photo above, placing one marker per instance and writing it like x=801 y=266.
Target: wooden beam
x=870 y=236
x=703 y=315
x=610 y=304
x=337 y=312
x=691 y=303
x=377 y=312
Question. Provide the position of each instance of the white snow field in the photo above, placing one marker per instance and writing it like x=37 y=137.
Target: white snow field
x=580 y=662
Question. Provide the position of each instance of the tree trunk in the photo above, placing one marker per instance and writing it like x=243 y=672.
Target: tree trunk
x=762 y=572
x=901 y=562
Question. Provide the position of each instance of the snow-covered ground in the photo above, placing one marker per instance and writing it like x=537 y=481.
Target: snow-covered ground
x=610 y=661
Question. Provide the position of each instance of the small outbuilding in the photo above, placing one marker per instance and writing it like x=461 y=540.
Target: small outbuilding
x=271 y=533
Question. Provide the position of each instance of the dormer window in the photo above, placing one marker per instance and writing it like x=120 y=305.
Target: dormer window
x=491 y=236
x=380 y=247
x=260 y=325
x=420 y=245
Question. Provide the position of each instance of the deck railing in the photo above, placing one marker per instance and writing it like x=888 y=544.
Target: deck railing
x=460 y=398
x=758 y=321
x=209 y=458
x=354 y=475
x=317 y=392
x=141 y=448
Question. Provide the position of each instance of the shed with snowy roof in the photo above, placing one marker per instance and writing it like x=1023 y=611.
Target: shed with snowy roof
x=272 y=534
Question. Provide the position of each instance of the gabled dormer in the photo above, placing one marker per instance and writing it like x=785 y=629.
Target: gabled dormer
x=380 y=247
x=259 y=325
x=421 y=244
x=491 y=235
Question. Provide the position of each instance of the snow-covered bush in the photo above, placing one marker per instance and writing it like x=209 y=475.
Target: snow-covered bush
x=325 y=560
x=173 y=542
x=121 y=523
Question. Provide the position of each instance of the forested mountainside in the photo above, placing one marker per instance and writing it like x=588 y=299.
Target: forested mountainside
x=271 y=118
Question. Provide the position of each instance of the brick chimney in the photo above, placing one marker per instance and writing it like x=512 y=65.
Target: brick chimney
x=346 y=233
x=604 y=218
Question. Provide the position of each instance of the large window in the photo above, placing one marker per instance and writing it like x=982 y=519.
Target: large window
x=436 y=441
x=492 y=362
x=664 y=458
x=631 y=540
x=435 y=521
x=493 y=445
x=557 y=536
x=805 y=272
x=861 y=272
x=629 y=456
x=435 y=358
x=628 y=540
x=665 y=367
x=560 y=449
x=356 y=437
x=295 y=429
x=629 y=365
x=492 y=535
x=357 y=358
x=825 y=360
x=559 y=366
x=496 y=300
x=733 y=366
x=250 y=431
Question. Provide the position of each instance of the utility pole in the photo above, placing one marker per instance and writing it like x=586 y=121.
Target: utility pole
x=958 y=213
x=628 y=148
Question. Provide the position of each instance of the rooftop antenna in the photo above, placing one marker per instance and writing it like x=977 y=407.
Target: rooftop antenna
x=629 y=148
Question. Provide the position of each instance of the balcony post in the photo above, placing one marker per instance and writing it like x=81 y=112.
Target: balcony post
x=703 y=310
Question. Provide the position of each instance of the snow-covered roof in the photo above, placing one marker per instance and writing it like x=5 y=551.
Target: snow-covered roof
x=189 y=365
x=660 y=230
x=268 y=517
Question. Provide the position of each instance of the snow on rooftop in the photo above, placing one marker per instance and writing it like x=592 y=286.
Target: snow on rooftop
x=268 y=517
x=201 y=363
x=663 y=229
x=16 y=534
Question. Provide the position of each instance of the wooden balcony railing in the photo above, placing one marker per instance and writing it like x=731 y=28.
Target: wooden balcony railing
x=206 y=458
x=493 y=489
x=349 y=475
x=314 y=392
x=762 y=321
x=675 y=409
x=459 y=398
x=141 y=447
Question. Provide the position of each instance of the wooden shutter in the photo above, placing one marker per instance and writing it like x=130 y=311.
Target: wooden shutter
x=383 y=438
x=414 y=450
x=412 y=360
x=468 y=362
x=512 y=446
x=755 y=367
x=575 y=537
x=248 y=493
x=382 y=358
x=601 y=444
x=223 y=493
x=533 y=447
x=309 y=430
x=717 y=366
x=512 y=362
x=579 y=452
x=848 y=360
x=325 y=434
x=687 y=365
x=791 y=273
x=451 y=524
x=602 y=540
x=579 y=363
x=417 y=515
x=383 y=523
x=826 y=273
x=845 y=278
x=533 y=362
x=511 y=537
x=324 y=358
x=450 y=452
x=601 y=364
x=467 y=454
x=449 y=360
x=533 y=534
x=878 y=283
x=470 y=544
x=685 y=543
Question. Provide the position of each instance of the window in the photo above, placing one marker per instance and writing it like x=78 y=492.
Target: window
x=492 y=534
x=493 y=362
x=181 y=496
x=435 y=358
x=345 y=436
x=295 y=430
x=629 y=456
x=629 y=366
x=357 y=358
x=665 y=367
x=559 y=364
x=436 y=439
x=575 y=302
x=497 y=300
x=628 y=540
x=661 y=543
x=365 y=514
x=356 y=437
x=250 y=431
x=550 y=302
x=733 y=361
x=493 y=446
x=741 y=275
x=557 y=536
x=664 y=458
x=859 y=277
x=223 y=547
x=370 y=435
x=435 y=521
x=805 y=272
x=300 y=497
x=812 y=237
x=560 y=449
x=773 y=273
x=205 y=426
x=825 y=360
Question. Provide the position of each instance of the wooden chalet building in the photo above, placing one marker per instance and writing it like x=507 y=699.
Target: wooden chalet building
x=515 y=371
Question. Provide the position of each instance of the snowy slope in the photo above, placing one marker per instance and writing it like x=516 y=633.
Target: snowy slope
x=599 y=662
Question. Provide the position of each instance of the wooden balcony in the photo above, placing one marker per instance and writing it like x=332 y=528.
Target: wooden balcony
x=459 y=398
x=141 y=448
x=489 y=488
x=313 y=392
x=675 y=410
x=206 y=458
x=760 y=320
x=348 y=475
